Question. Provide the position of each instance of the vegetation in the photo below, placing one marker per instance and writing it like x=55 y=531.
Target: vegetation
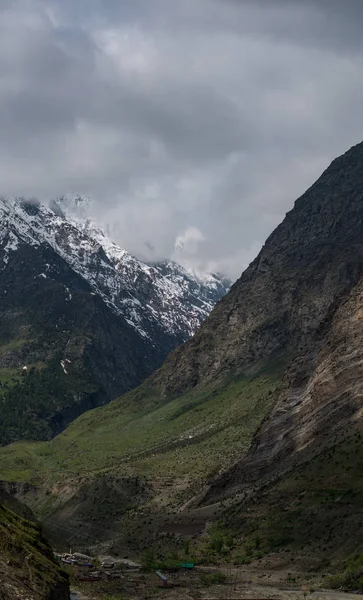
x=101 y=590
x=29 y=402
x=171 y=561
x=25 y=557
x=311 y=513
x=351 y=578
x=213 y=578
x=144 y=433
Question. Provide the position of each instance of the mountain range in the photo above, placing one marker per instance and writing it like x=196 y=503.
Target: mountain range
x=82 y=320
x=250 y=433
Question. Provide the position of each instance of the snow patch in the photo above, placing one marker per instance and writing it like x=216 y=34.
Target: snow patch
x=63 y=365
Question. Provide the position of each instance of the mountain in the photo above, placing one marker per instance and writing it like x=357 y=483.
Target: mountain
x=303 y=271
x=159 y=299
x=82 y=320
x=253 y=428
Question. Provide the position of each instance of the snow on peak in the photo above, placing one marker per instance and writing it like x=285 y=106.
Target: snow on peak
x=74 y=206
x=161 y=298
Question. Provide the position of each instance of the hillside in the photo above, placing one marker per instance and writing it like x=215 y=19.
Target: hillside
x=81 y=320
x=304 y=269
x=256 y=420
x=27 y=567
x=320 y=403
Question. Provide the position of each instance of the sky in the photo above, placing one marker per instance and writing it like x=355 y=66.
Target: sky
x=195 y=122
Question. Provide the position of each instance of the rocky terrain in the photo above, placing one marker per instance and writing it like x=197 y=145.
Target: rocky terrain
x=82 y=321
x=294 y=285
x=320 y=402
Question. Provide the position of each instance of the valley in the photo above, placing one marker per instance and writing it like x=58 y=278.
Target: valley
x=239 y=584
x=242 y=453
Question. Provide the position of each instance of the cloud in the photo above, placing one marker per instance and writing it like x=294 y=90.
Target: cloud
x=206 y=116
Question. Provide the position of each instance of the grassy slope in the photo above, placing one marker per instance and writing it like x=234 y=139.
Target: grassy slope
x=29 y=399
x=314 y=513
x=141 y=433
x=10 y=376
x=26 y=405
x=26 y=562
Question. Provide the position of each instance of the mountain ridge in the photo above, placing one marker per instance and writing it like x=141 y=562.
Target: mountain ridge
x=78 y=310
x=280 y=299
x=88 y=250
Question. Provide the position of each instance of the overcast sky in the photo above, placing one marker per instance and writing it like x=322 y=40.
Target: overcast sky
x=197 y=120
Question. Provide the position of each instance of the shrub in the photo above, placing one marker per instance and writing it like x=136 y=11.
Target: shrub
x=213 y=578
x=148 y=560
x=351 y=579
x=242 y=560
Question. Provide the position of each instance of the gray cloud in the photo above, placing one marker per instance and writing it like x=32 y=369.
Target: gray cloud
x=201 y=120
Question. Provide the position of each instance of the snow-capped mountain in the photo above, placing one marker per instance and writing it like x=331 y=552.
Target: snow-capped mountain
x=152 y=298
x=76 y=271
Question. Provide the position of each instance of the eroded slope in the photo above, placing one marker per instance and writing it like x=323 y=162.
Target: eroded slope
x=27 y=567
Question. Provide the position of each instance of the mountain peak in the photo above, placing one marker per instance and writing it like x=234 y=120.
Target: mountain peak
x=74 y=206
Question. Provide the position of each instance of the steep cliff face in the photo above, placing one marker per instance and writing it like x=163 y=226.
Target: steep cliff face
x=27 y=567
x=320 y=403
x=305 y=267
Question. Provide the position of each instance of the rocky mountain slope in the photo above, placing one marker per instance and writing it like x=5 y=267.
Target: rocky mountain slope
x=296 y=282
x=319 y=404
x=82 y=321
x=27 y=567
x=260 y=409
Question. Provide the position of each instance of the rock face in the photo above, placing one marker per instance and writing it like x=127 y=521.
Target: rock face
x=320 y=403
x=307 y=265
x=81 y=320
x=300 y=300
x=27 y=567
